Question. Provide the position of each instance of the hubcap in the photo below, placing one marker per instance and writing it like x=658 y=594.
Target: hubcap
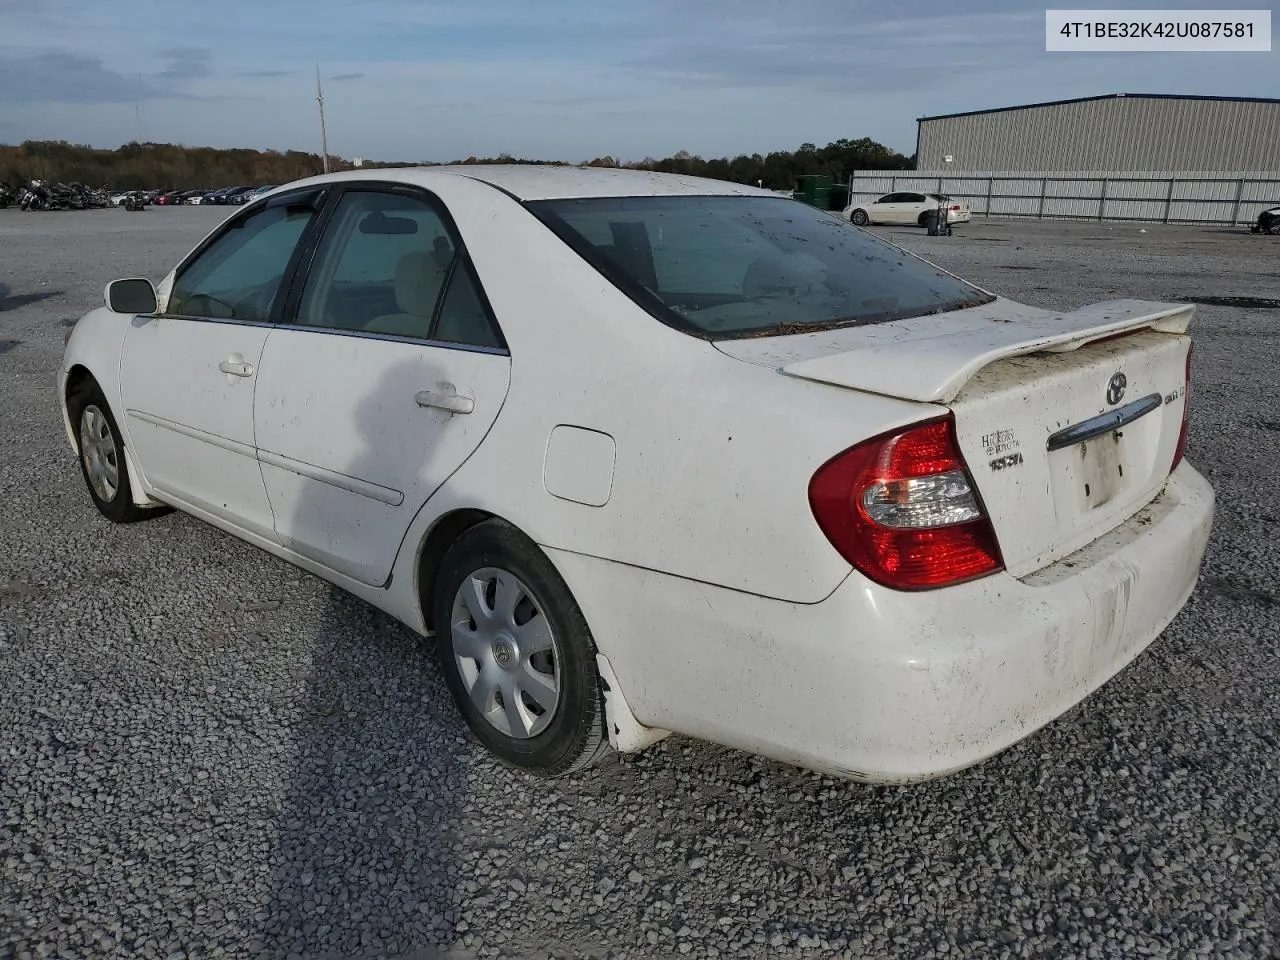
x=506 y=653
x=98 y=450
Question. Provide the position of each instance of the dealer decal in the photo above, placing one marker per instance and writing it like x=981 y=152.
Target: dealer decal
x=998 y=442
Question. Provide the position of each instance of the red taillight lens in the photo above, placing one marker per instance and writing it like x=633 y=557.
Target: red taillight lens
x=903 y=510
x=1186 y=416
x=956 y=207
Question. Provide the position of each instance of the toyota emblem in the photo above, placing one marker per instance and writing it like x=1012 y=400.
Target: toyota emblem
x=1115 y=389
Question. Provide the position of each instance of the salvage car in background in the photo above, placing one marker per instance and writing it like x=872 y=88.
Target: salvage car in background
x=648 y=453
x=1268 y=221
x=904 y=208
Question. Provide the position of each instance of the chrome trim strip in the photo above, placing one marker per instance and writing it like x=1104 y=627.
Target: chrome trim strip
x=391 y=338
x=363 y=488
x=234 y=446
x=228 y=321
x=1105 y=423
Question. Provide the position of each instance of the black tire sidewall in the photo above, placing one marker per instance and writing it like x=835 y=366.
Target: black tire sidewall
x=120 y=508
x=854 y=218
x=579 y=719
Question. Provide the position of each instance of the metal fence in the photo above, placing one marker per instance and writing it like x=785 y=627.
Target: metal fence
x=1170 y=197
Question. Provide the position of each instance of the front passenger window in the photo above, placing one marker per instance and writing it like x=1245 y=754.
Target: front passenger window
x=238 y=276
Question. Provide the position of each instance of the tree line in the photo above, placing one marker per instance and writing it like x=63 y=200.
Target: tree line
x=137 y=166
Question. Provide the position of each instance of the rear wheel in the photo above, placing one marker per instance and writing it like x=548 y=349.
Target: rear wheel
x=922 y=220
x=860 y=218
x=102 y=462
x=517 y=654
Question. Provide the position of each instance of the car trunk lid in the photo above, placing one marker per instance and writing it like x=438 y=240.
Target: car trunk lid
x=1068 y=421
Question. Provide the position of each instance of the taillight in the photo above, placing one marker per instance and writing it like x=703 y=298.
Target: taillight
x=956 y=207
x=1181 y=448
x=903 y=510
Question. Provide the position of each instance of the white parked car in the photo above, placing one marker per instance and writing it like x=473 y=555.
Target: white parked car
x=906 y=207
x=648 y=453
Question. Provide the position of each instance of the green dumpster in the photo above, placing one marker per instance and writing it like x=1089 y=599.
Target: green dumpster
x=819 y=190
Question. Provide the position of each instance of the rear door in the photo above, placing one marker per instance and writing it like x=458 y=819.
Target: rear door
x=386 y=381
x=912 y=206
x=188 y=375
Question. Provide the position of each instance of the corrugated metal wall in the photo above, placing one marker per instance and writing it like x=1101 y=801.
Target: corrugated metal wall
x=1120 y=134
x=1232 y=197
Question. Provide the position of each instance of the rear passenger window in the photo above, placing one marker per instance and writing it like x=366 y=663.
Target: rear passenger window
x=388 y=264
x=381 y=268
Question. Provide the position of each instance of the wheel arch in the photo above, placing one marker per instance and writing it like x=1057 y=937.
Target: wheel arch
x=76 y=378
x=443 y=533
x=626 y=733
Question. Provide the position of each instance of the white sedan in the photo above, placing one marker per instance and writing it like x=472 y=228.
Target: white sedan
x=906 y=208
x=647 y=453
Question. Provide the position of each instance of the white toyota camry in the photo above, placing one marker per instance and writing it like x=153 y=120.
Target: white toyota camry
x=648 y=453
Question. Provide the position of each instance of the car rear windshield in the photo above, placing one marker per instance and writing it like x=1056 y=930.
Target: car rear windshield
x=722 y=267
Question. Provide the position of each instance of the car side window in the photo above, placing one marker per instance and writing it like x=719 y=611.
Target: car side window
x=238 y=275
x=888 y=198
x=383 y=267
x=463 y=316
x=913 y=198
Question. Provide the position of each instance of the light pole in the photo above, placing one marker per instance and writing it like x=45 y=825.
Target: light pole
x=324 y=137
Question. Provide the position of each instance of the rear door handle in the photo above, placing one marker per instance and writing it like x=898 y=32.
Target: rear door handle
x=234 y=368
x=444 y=401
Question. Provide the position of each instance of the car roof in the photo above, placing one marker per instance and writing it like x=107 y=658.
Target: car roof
x=547 y=182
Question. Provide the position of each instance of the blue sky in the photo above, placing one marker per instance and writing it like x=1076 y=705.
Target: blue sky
x=550 y=79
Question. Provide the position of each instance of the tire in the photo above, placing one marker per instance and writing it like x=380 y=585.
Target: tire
x=859 y=218
x=922 y=220
x=101 y=455
x=570 y=733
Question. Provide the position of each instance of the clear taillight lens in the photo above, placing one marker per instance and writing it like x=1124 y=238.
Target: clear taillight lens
x=903 y=510
x=920 y=502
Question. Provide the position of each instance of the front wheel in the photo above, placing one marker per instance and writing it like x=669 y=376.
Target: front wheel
x=517 y=654
x=860 y=218
x=102 y=462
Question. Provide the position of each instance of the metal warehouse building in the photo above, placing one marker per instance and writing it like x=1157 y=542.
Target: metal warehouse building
x=1123 y=132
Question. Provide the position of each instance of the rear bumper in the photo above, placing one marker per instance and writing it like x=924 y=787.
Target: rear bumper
x=887 y=687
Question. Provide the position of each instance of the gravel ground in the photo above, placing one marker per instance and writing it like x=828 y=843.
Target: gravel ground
x=205 y=752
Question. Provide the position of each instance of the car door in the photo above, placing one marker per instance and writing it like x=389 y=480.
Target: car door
x=882 y=210
x=913 y=205
x=188 y=374
x=386 y=381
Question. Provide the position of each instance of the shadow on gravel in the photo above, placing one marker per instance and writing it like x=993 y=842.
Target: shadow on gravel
x=10 y=301
x=365 y=864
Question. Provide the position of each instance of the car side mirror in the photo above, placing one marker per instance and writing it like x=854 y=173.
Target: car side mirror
x=134 y=295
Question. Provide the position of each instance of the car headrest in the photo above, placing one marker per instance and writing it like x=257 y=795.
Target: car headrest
x=418 y=279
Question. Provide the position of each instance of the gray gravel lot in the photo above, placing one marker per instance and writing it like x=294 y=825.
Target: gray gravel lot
x=205 y=752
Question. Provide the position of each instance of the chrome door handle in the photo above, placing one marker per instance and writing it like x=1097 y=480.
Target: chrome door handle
x=444 y=401
x=236 y=369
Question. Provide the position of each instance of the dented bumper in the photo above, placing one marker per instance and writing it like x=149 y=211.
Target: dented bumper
x=883 y=686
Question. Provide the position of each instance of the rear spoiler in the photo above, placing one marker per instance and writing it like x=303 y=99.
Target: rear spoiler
x=930 y=359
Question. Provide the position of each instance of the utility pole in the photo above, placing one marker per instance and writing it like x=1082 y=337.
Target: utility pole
x=324 y=137
x=137 y=108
